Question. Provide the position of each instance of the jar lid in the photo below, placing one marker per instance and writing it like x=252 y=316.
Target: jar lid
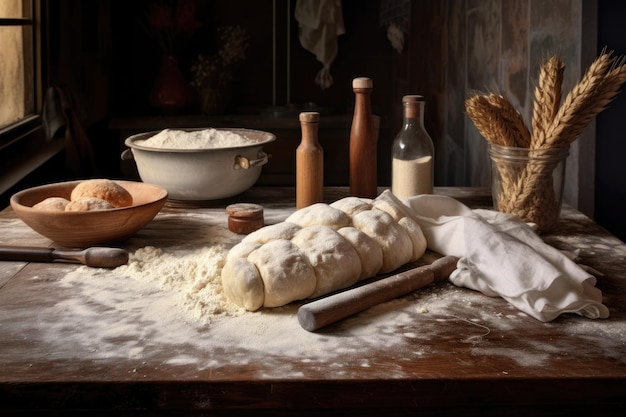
x=245 y=210
x=244 y=218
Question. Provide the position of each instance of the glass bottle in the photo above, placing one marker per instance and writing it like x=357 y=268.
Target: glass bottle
x=363 y=159
x=309 y=163
x=412 y=152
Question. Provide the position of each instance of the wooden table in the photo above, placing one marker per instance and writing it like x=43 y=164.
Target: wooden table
x=74 y=341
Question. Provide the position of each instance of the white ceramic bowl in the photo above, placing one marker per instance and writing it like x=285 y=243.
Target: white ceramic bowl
x=201 y=174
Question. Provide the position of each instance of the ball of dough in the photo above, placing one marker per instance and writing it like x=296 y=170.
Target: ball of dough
x=88 y=204
x=287 y=275
x=394 y=210
x=52 y=204
x=242 y=250
x=283 y=230
x=320 y=214
x=352 y=205
x=334 y=260
x=393 y=240
x=103 y=189
x=416 y=235
x=242 y=283
x=368 y=249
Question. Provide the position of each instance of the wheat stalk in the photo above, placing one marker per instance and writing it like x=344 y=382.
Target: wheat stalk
x=578 y=111
x=491 y=121
x=512 y=119
x=547 y=99
x=528 y=192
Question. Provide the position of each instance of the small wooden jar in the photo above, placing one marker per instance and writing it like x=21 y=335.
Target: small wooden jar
x=244 y=218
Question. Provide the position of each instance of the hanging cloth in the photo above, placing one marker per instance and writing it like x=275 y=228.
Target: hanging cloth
x=320 y=23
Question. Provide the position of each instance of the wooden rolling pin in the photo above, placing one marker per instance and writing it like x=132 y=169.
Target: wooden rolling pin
x=97 y=256
x=322 y=312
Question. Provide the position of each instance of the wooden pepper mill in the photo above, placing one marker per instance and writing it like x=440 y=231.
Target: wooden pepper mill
x=309 y=163
x=363 y=158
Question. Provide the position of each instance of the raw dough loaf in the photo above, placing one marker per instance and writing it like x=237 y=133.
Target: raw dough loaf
x=334 y=260
x=393 y=240
x=284 y=230
x=320 y=214
x=369 y=251
x=88 y=204
x=319 y=249
x=352 y=205
x=104 y=189
x=243 y=284
x=286 y=274
x=52 y=204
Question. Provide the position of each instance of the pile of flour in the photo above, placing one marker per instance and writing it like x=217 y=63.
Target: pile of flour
x=196 y=139
x=191 y=276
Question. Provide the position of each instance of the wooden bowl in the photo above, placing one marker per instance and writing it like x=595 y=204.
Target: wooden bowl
x=88 y=228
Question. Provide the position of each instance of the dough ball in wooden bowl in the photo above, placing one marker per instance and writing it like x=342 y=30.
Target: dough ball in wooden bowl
x=104 y=189
x=91 y=227
x=52 y=204
x=88 y=204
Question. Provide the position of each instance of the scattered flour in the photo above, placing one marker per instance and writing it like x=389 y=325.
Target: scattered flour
x=192 y=275
x=196 y=139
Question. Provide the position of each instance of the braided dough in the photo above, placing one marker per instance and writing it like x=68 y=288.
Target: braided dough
x=321 y=248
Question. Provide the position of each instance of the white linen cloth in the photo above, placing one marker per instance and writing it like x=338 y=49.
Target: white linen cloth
x=320 y=23
x=500 y=255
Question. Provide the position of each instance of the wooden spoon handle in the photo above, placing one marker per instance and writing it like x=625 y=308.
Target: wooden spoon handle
x=322 y=312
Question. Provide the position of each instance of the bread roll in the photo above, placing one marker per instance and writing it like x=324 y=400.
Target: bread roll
x=52 y=204
x=88 y=204
x=104 y=189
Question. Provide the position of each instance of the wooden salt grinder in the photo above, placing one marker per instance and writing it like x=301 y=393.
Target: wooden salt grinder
x=309 y=163
x=363 y=158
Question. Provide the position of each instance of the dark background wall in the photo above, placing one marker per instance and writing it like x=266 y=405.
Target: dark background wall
x=102 y=52
x=610 y=201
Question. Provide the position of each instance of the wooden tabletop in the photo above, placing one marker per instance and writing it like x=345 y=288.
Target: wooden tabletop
x=83 y=341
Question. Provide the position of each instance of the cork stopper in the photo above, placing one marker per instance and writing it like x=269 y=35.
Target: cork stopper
x=362 y=82
x=412 y=104
x=412 y=98
x=244 y=218
x=309 y=117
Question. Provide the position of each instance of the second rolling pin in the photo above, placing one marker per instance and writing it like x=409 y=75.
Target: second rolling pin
x=322 y=312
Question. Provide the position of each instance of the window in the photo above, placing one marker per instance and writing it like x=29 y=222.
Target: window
x=17 y=70
x=23 y=147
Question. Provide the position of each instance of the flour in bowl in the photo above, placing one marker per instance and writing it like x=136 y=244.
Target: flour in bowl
x=196 y=139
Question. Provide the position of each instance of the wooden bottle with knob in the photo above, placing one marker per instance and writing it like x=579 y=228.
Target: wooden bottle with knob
x=309 y=163
x=363 y=154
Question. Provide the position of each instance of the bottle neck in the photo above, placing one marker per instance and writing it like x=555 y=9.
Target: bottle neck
x=413 y=113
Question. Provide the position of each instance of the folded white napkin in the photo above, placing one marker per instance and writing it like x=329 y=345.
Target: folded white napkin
x=500 y=255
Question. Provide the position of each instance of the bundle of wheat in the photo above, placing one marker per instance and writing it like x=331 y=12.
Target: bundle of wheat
x=529 y=192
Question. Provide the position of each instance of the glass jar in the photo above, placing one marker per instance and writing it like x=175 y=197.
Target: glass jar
x=529 y=183
x=412 y=152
